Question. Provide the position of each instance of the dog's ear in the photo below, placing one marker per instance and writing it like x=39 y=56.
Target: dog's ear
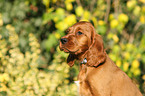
x=96 y=53
x=71 y=60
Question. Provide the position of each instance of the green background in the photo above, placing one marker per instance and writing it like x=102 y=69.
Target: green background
x=31 y=63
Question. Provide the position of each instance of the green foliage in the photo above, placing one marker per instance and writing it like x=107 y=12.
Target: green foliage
x=30 y=60
x=20 y=74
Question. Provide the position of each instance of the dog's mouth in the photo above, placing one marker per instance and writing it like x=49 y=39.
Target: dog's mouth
x=66 y=50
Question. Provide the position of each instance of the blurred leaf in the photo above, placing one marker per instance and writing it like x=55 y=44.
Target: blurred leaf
x=102 y=30
x=50 y=42
x=38 y=22
x=47 y=17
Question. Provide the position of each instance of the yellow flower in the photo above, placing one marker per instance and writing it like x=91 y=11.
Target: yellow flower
x=69 y=1
x=6 y=76
x=38 y=51
x=115 y=38
x=127 y=55
x=143 y=77
x=111 y=17
x=130 y=46
x=101 y=22
x=143 y=1
x=138 y=56
x=46 y=3
x=60 y=11
x=79 y=11
x=8 y=26
x=1 y=54
x=123 y=18
x=61 y=26
x=137 y=10
x=0 y=36
x=1 y=22
x=84 y=20
x=57 y=35
x=143 y=9
x=135 y=64
x=30 y=35
x=86 y=14
x=131 y=4
x=2 y=78
x=27 y=3
x=114 y=23
x=66 y=81
x=70 y=20
x=125 y=66
x=2 y=87
x=110 y=35
x=69 y=6
x=50 y=10
x=54 y=1
x=118 y=63
x=94 y=19
x=137 y=72
x=56 y=19
x=142 y=19
x=122 y=46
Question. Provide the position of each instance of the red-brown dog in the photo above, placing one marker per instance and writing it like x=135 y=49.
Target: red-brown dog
x=98 y=75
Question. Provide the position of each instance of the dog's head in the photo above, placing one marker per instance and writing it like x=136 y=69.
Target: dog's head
x=81 y=42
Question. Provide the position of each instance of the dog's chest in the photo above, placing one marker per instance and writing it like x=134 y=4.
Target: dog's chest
x=81 y=78
x=78 y=84
x=83 y=88
x=82 y=84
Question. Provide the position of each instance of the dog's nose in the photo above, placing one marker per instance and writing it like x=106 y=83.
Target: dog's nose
x=63 y=40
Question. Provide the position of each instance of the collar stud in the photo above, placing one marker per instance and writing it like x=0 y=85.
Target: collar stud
x=84 y=61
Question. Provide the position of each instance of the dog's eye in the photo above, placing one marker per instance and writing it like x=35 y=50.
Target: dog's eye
x=79 y=33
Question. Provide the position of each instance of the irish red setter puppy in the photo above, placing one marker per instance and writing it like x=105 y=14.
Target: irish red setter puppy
x=98 y=75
